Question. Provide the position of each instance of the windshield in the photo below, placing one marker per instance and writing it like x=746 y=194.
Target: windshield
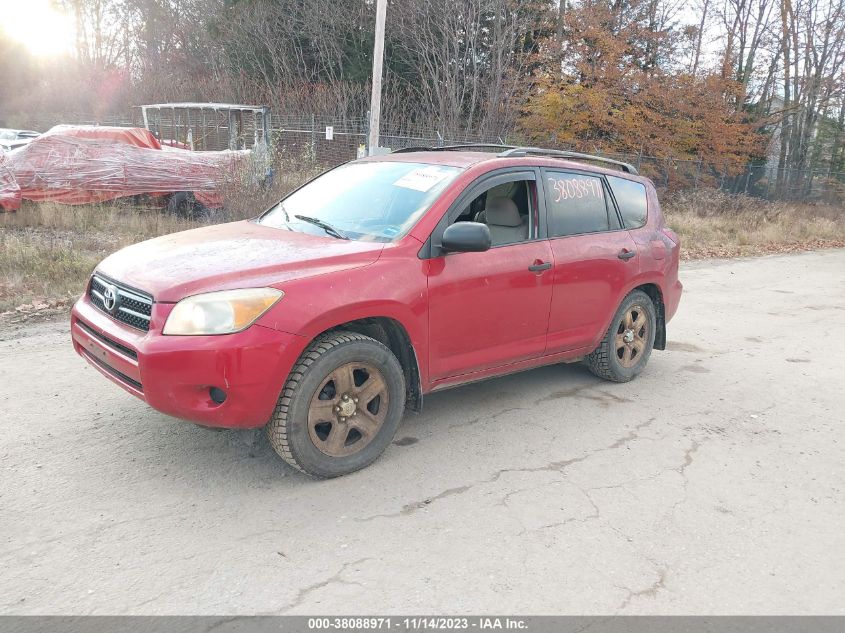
x=378 y=201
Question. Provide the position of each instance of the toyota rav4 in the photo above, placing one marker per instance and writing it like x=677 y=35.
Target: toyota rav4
x=383 y=280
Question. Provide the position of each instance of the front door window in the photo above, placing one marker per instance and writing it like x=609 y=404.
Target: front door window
x=491 y=309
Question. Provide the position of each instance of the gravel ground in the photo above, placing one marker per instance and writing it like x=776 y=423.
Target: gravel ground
x=712 y=484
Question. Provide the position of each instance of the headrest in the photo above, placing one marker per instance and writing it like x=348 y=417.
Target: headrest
x=502 y=212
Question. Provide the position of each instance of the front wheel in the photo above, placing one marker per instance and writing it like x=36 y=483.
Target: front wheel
x=626 y=347
x=340 y=407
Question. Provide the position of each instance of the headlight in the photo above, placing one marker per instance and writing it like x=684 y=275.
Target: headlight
x=220 y=312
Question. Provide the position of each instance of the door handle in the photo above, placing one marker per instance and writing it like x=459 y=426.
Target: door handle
x=625 y=254
x=539 y=267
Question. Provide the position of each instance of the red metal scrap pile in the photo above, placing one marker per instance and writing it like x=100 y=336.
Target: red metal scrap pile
x=84 y=164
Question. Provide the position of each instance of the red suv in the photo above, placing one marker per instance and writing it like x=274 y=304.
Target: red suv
x=380 y=281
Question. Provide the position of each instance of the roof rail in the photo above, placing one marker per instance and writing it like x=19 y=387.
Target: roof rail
x=512 y=150
x=538 y=151
x=452 y=147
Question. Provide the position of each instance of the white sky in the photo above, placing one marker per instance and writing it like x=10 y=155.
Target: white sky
x=37 y=24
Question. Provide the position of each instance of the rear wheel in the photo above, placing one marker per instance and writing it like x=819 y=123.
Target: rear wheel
x=626 y=347
x=340 y=407
x=183 y=204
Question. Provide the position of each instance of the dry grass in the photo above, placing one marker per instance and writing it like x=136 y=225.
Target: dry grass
x=48 y=250
x=714 y=224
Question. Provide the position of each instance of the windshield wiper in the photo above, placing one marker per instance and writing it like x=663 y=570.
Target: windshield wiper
x=328 y=228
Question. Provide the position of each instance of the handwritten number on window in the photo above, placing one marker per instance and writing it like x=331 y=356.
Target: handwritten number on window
x=576 y=188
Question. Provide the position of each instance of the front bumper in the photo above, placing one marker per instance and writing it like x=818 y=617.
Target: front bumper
x=174 y=374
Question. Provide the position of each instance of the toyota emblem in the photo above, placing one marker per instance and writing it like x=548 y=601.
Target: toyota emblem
x=110 y=298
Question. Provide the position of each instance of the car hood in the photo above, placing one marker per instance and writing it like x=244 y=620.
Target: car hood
x=226 y=256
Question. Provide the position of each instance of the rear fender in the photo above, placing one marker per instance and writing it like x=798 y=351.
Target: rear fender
x=653 y=289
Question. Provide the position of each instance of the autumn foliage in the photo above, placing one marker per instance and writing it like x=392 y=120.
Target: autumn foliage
x=618 y=91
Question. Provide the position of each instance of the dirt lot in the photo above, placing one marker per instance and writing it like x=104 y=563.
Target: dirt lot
x=714 y=483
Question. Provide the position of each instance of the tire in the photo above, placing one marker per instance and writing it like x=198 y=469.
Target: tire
x=314 y=428
x=183 y=204
x=616 y=364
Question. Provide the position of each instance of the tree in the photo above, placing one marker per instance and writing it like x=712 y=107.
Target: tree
x=621 y=90
x=463 y=62
x=813 y=51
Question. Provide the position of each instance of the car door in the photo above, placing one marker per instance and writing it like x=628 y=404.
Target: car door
x=594 y=257
x=489 y=309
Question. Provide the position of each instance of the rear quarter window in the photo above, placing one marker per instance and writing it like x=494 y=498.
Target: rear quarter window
x=631 y=199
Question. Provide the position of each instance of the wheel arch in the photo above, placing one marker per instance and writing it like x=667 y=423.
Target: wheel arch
x=656 y=295
x=392 y=334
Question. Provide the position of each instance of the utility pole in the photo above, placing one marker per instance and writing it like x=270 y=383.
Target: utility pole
x=378 y=62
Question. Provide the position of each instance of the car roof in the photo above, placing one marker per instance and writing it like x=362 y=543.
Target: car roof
x=467 y=159
x=17 y=131
x=448 y=158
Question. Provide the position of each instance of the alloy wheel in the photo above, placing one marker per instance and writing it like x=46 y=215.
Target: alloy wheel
x=348 y=409
x=631 y=336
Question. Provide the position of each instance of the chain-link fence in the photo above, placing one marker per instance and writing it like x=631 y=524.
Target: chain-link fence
x=328 y=142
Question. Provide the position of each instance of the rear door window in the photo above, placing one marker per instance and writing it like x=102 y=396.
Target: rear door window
x=576 y=203
x=631 y=199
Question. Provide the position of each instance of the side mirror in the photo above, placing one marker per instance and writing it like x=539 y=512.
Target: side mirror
x=466 y=237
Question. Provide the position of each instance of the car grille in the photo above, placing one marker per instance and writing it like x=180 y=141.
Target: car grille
x=129 y=306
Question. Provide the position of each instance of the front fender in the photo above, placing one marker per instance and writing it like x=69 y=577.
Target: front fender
x=392 y=287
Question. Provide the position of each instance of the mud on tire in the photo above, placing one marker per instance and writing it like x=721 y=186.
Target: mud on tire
x=312 y=411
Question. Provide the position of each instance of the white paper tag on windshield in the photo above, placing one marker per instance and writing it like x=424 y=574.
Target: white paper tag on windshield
x=421 y=179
